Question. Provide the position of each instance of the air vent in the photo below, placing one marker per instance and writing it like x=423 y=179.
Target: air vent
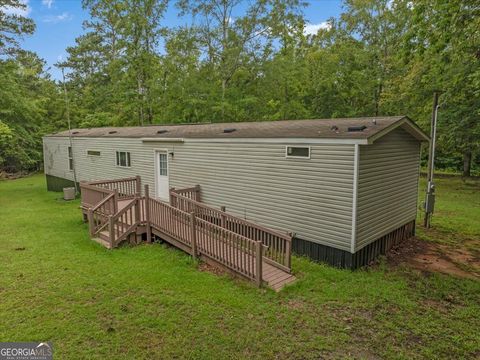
x=75 y=132
x=162 y=131
x=112 y=132
x=228 y=130
x=356 y=128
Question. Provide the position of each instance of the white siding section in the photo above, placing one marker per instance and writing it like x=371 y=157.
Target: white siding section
x=55 y=157
x=311 y=197
x=387 y=185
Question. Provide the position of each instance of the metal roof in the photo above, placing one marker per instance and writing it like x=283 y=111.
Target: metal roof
x=373 y=127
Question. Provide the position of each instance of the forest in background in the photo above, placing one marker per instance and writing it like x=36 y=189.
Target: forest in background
x=247 y=61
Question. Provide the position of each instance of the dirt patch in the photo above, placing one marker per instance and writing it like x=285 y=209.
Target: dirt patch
x=211 y=269
x=431 y=257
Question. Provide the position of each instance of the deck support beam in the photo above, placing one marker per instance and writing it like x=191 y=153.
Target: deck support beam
x=147 y=214
x=90 y=222
x=111 y=228
x=258 y=262
x=193 y=235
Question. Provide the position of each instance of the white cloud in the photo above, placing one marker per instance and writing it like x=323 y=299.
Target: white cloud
x=53 y=19
x=9 y=10
x=312 y=29
x=47 y=3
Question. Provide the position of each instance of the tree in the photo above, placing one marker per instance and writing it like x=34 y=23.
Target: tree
x=442 y=44
x=13 y=26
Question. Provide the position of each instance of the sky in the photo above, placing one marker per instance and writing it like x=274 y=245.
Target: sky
x=59 y=22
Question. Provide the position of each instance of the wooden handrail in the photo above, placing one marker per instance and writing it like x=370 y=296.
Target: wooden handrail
x=191 y=192
x=105 y=199
x=278 y=245
x=202 y=237
x=100 y=182
x=124 y=221
x=96 y=188
x=287 y=236
x=126 y=188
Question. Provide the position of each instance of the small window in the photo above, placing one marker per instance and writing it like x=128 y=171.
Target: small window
x=93 y=153
x=162 y=164
x=298 y=152
x=70 y=158
x=123 y=158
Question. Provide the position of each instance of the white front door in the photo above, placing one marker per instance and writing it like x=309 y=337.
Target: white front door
x=161 y=175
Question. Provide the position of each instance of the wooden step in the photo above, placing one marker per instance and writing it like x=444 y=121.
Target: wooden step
x=104 y=235
x=103 y=242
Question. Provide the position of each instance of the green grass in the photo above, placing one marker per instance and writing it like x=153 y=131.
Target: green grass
x=153 y=302
x=456 y=220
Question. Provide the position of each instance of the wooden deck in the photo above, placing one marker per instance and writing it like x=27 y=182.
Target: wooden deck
x=213 y=236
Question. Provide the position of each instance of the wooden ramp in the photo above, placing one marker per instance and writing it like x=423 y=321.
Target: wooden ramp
x=242 y=248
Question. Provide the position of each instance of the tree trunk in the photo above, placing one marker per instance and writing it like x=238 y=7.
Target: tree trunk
x=467 y=163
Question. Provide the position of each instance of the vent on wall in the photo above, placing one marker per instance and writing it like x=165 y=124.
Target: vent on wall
x=162 y=131
x=75 y=132
x=228 y=130
x=112 y=132
x=356 y=128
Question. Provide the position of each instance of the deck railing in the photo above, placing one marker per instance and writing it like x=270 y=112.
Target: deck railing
x=122 y=223
x=127 y=188
x=278 y=245
x=201 y=237
x=171 y=221
x=237 y=244
x=234 y=251
x=91 y=195
x=98 y=215
x=192 y=193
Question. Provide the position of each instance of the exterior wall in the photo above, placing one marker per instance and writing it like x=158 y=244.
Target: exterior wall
x=55 y=157
x=311 y=197
x=57 y=184
x=387 y=186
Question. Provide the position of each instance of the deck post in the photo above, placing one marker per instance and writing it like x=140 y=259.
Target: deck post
x=288 y=251
x=222 y=219
x=91 y=225
x=197 y=193
x=115 y=200
x=111 y=228
x=147 y=215
x=137 y=209
x=138 y=181
x=258 y=262
x=193 y=235
x=170 y=196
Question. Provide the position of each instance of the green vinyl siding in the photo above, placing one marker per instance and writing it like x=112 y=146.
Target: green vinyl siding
x=387 y=186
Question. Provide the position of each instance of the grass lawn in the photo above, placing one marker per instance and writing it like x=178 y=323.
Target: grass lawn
x=152 y=301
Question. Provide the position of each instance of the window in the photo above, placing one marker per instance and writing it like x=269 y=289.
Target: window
x=70 y=158
x=162 y=164
x=123 y=158
x=298 y=152
x=93 y=153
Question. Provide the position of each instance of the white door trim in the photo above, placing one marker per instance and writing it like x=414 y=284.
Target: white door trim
x=155 y=161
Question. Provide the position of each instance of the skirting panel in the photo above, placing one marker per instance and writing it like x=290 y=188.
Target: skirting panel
x=57 y=184
x=344 y=259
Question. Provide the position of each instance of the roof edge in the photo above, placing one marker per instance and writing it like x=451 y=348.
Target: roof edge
x=407 y=124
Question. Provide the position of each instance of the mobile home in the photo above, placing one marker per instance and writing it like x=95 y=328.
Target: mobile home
x=347 y=188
